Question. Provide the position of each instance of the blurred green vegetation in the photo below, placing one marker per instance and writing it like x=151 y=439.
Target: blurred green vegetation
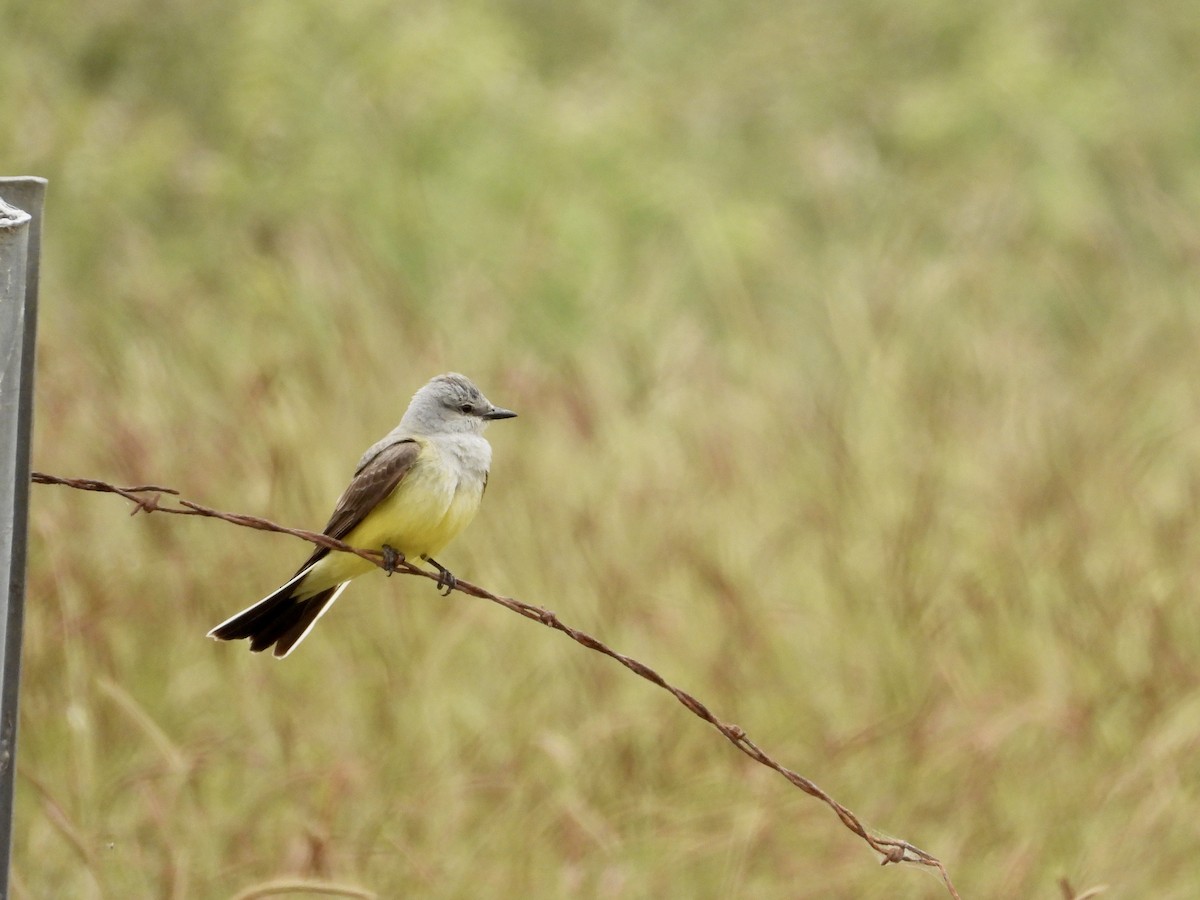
x=855 y=347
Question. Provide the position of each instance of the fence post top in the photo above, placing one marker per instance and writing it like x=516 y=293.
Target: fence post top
x=27 y=192
x=11 y=216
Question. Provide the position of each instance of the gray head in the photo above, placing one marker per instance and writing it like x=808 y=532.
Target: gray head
x=451 y=403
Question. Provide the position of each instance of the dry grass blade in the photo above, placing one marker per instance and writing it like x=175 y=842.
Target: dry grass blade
x=890 y=849
x=1069 y=892
x=67 y=829
x=131 y=709
x=317 y=888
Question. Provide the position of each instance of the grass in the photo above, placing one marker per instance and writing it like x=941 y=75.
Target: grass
x=855 y=355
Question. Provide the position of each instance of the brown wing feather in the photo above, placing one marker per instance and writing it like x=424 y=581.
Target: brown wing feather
x=372 y=483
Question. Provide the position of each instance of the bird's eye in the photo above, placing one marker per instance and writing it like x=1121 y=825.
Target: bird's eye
x=465 y=409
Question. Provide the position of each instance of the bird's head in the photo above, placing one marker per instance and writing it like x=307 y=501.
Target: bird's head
x=451 y=403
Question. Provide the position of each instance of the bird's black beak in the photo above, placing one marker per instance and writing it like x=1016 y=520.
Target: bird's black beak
x=498 y=412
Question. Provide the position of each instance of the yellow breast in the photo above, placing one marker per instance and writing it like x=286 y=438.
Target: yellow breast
x=428 y=509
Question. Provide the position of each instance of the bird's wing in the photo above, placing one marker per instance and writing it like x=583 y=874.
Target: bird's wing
x=375 y=480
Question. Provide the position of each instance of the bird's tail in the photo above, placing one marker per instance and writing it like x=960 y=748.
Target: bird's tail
x=280 y=619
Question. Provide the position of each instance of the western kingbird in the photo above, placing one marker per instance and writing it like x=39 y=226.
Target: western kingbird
x=412 y=493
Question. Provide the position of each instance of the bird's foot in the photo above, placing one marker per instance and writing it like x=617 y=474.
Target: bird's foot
x=446 y=581
x=391 y=559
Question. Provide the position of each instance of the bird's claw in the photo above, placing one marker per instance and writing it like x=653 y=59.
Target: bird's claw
x=446 y=582
x=391 y=559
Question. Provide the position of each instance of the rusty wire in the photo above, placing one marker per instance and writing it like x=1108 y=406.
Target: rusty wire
x=147 y=497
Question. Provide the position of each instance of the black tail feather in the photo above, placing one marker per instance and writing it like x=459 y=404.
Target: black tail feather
x=279 y=619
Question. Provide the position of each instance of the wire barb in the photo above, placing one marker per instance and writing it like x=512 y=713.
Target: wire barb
x=147 y=498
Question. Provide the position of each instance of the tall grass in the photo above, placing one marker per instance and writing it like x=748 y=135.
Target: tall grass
x=855 y=352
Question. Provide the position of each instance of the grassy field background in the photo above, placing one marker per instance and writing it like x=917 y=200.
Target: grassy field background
x=857 y=351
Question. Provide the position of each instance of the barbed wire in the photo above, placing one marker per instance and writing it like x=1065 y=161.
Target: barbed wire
x=148 y=498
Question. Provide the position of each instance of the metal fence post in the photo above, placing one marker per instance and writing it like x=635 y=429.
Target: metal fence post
x=20 y=245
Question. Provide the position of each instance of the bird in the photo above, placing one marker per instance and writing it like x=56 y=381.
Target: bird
x=412 y=493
